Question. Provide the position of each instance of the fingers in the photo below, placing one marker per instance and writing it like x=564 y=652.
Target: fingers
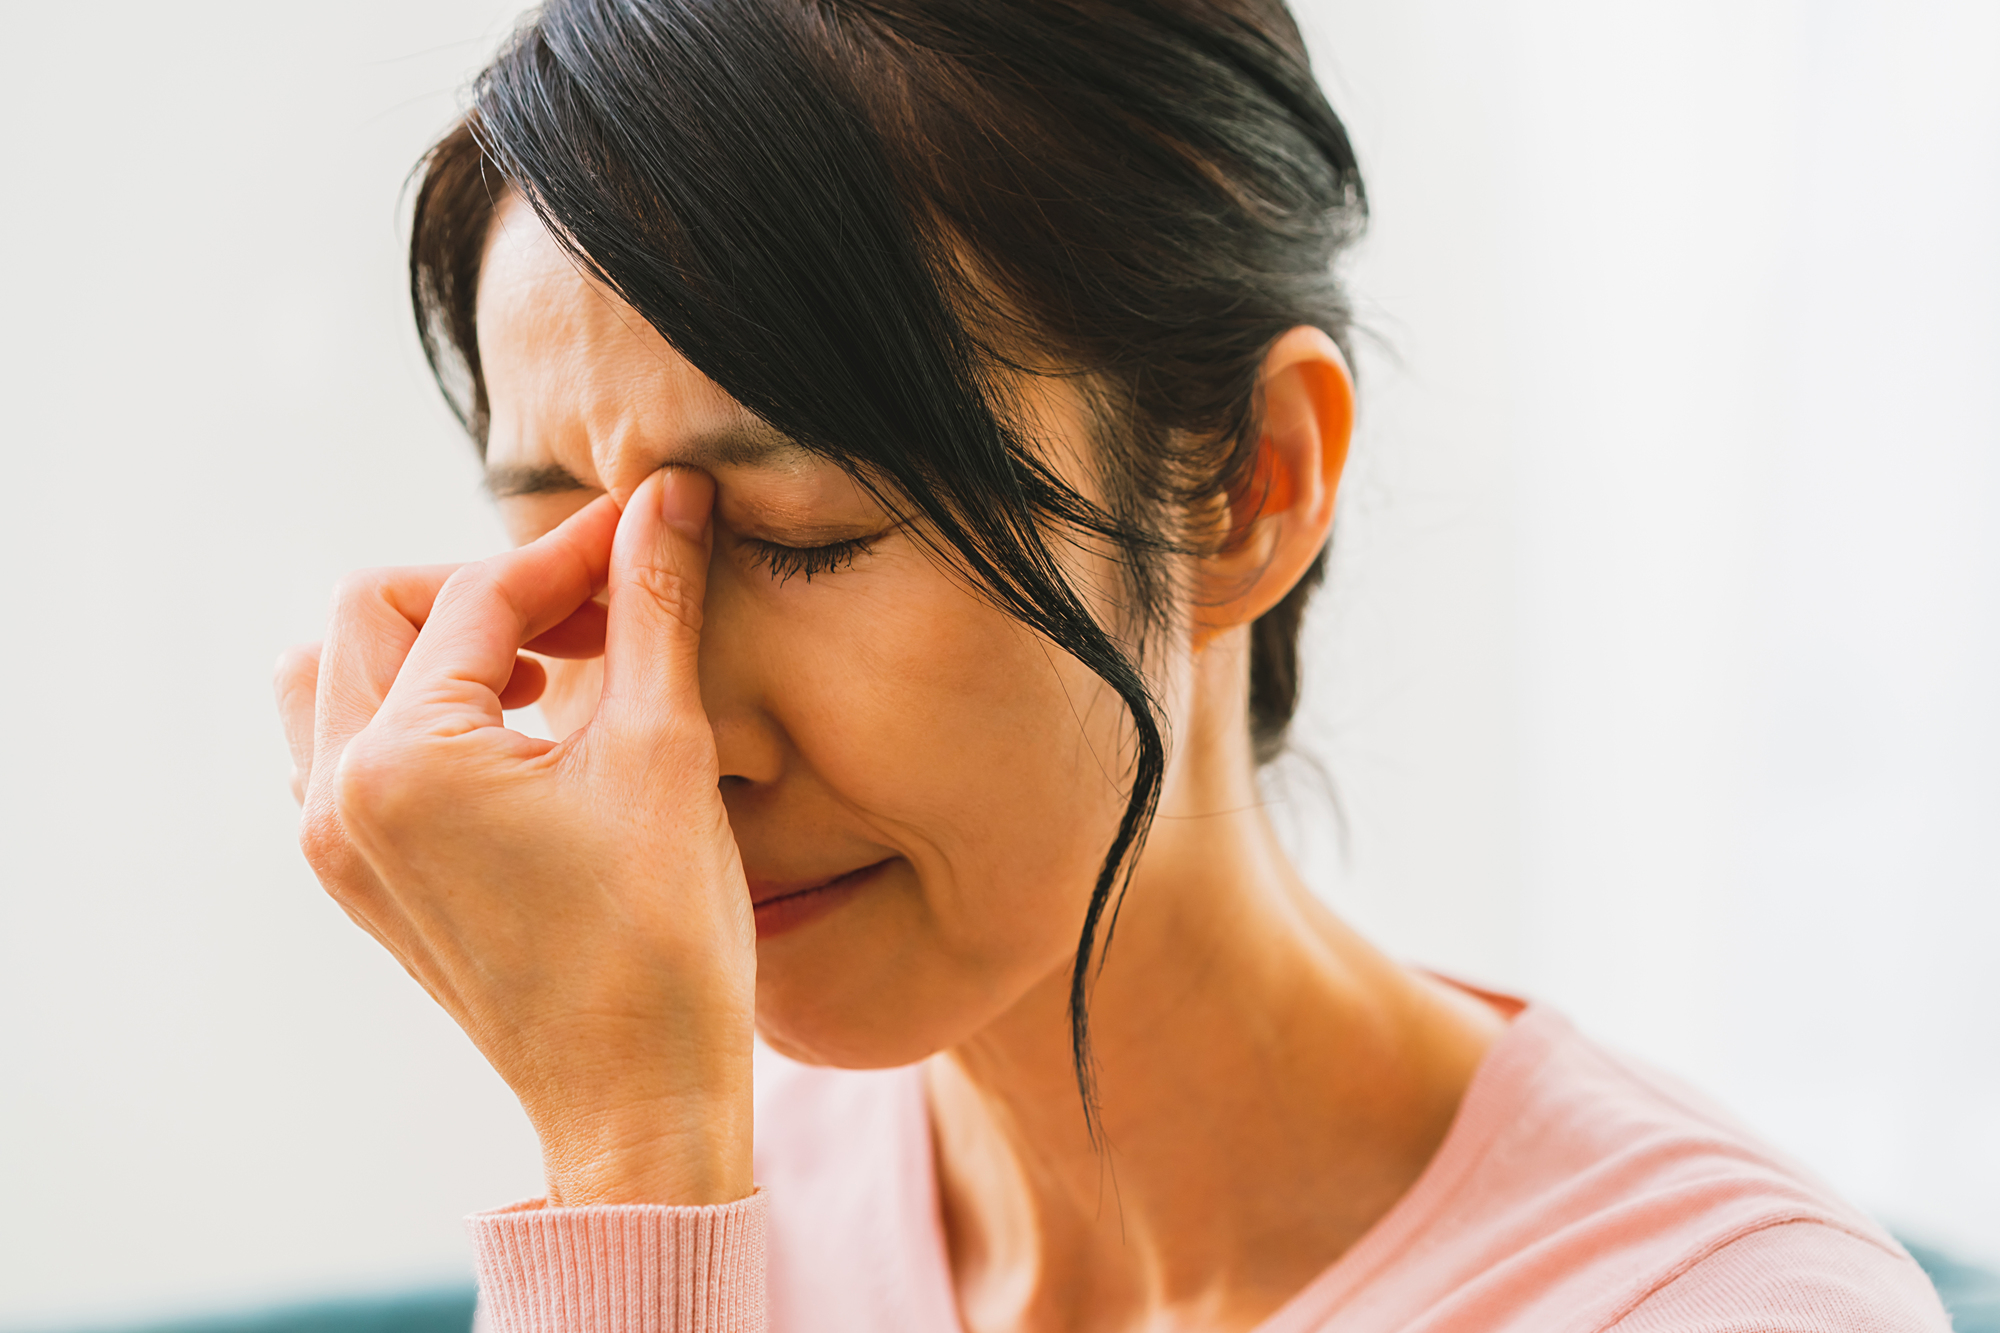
x=376 y=617
x=582 y=635
x=448 y=633
x=659 y=574
x=525 y=686
x=297 y=680
x=459 y=666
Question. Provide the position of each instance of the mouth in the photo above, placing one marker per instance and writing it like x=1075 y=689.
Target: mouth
x=784 y=907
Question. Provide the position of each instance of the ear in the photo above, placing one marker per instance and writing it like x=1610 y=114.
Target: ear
x=1279 y=517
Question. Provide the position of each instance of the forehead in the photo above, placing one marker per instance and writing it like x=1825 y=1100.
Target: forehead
x=577 y=380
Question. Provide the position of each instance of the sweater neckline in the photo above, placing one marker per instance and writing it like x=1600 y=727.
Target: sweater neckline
x=1498 y=1082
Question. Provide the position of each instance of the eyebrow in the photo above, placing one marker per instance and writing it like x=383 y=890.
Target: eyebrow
x=755 y=445
x=503 y=483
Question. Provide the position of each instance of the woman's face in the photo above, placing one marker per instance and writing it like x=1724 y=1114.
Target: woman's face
x=951 y=779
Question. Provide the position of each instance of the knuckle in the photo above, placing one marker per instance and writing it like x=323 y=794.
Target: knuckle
x=294 y=665
x=358 y=588
x=468 y=577
x=477 y=585
x=477 y=578
x=324 y=842
x=376 y=785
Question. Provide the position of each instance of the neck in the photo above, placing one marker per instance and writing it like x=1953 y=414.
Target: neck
x=1269 y=1086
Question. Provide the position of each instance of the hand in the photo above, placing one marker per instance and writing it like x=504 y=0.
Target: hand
x=577 y=906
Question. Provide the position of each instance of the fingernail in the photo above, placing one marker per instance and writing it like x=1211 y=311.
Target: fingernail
x=685 y=498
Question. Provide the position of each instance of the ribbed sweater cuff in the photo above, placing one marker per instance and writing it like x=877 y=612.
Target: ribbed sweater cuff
x=622 y=1268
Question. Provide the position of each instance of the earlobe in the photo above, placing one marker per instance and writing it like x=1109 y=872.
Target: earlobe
x=1281 y=514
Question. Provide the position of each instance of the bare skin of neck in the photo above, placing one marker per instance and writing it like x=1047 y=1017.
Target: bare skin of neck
x=1270 y=1083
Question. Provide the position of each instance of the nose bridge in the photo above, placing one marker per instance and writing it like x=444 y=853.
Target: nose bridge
x=623 y=454
x=656 y=410
x=749 y=743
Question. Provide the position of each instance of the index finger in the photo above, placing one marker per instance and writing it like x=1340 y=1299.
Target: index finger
x=487 y=611
x=376 y=617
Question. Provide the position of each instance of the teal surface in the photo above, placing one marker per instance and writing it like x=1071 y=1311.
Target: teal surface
x=439 y=1310
x=1971 y=1294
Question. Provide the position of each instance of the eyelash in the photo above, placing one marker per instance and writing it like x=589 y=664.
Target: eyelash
x=783 y=562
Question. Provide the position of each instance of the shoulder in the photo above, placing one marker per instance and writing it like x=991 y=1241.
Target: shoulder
x=1580 y=1191
x=1581 y=1133
x=1798 y=1275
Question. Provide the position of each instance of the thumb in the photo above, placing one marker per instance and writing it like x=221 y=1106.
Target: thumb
x=652 y=637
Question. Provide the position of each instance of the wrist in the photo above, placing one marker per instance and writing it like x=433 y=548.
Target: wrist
x=690 y=1152
x=648 y=1125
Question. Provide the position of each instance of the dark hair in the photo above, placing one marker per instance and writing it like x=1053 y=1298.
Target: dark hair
x=864 y=218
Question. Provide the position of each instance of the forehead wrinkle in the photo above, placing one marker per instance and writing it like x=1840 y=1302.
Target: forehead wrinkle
x=625 y=448
x=751 y=446
x=634 y=447
x=599 y=396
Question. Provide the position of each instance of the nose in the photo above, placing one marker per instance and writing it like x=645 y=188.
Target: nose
x=735 y=664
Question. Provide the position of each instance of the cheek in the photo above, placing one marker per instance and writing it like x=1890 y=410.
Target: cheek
x=986 y=757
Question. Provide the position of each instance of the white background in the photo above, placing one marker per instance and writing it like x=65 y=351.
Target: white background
x=1656 y=677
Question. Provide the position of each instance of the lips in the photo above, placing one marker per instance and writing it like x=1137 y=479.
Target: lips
x=764 y=891
x=781 y=906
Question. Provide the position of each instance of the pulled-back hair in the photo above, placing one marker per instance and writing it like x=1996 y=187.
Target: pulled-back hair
x=864 y=219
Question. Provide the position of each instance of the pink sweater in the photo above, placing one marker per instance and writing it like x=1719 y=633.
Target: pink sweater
x=1573 y=1192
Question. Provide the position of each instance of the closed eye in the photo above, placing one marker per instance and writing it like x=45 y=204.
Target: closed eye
x=785 y=561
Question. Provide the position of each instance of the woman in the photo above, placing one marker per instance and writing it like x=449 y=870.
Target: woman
x=920 y=422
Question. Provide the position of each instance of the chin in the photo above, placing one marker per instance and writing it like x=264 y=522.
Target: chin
x=854 y=1008
x=820 y=1034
